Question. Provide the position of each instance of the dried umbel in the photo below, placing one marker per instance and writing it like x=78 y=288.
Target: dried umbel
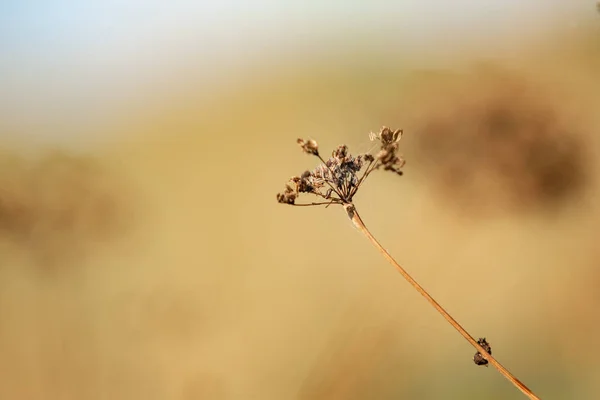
x=336 y=180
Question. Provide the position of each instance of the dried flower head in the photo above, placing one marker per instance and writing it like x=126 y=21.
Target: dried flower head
x=309 y=146
x=478 y=357
x=389 y=148
x=337 y=179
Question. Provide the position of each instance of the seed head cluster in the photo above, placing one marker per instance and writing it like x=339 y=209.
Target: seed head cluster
x=336 y=180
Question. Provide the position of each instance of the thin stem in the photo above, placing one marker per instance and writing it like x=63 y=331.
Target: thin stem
x=362 y=178
x=351 y=210
x=316 y=203
x=316 y=193
x=332 y=176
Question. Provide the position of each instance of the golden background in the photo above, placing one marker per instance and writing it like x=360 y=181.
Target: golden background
x=156 y=264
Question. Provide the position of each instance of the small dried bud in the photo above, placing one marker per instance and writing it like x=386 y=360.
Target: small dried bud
x=341 y=152
x=387 y=156
x=478 y=357
x=309 y=146
x=305 y=186
x=388 y=137
x=291 y=191
x=286 y=197
x=383 y=156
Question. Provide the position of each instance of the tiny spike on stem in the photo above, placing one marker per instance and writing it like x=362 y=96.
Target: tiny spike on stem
x=357 y=221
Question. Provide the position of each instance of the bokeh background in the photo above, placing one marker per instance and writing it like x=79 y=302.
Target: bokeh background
x=143 y=254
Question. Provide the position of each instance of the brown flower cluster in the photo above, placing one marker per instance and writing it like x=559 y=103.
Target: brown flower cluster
x=389 y=148
x=336 y=180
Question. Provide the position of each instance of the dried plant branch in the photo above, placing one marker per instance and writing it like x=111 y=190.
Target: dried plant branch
x=337 y=181
x=485 y=353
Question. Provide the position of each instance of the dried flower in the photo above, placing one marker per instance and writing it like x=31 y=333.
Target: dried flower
x=478 y=357
x=388 y=156
x=337 y=179
x=387 y=136
x=309 y=146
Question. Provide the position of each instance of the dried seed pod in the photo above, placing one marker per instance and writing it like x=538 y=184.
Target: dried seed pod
x=309 y=146
x=478 y=357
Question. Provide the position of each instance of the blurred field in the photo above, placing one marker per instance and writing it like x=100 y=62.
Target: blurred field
x=158 y=265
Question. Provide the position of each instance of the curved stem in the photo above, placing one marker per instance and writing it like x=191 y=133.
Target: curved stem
x=351 y=210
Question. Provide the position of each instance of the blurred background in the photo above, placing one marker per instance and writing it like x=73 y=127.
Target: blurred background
x=142 y=251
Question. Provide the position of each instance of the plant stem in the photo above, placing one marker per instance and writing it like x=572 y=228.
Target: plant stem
x=353 y=214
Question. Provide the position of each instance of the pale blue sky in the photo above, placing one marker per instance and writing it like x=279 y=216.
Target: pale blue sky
x=60 y=58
